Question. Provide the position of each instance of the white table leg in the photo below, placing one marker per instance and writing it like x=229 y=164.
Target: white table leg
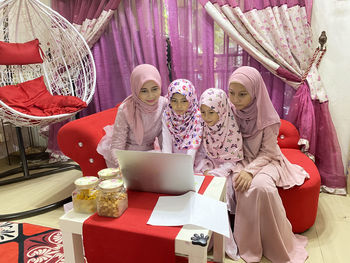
x=73 y=247
x=218 y=247
x=198 y=255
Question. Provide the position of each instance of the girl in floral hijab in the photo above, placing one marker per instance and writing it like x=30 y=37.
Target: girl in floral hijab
x=182 y=127
x=222 y=146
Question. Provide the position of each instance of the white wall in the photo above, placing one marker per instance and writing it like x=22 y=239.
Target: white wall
x=333 y=16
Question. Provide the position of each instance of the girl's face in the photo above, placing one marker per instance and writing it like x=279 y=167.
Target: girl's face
x=210 y=116
x=179 y=103
x=239 y=96
x=150 y=92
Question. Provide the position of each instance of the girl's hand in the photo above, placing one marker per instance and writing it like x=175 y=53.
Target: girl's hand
x=243 y=181
x=206 y=172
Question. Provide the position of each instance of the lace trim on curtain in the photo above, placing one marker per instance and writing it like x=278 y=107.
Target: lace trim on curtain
x=305 y=147
x=336 y=191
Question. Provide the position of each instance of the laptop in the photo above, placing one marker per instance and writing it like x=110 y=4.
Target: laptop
x=164 y=173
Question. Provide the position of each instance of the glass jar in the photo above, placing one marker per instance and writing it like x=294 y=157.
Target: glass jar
x=109 y=173
x=84 y=196
x=112 y=199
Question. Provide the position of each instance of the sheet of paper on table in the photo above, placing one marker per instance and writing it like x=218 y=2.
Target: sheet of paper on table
x=191 y=208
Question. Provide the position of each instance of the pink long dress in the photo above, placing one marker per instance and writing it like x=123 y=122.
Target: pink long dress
x=261 y=225
x=220 y=150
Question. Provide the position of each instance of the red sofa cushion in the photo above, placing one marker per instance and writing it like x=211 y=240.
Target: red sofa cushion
x=33 y=98
x=20 y=53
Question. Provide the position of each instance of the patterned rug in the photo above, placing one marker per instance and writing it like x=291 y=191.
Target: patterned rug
x=27 y=243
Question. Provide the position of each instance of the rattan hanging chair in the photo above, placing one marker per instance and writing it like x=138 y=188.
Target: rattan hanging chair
x=68 y=66
x=67 y=69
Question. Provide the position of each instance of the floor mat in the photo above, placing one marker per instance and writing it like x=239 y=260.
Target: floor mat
x=21 y=243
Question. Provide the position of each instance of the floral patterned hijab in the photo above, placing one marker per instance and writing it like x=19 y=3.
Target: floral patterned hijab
x=185 y=129
x=223 y=140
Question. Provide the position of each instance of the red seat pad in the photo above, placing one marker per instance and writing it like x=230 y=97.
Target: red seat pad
x=301 y=202
x=20 y=53
x=33 y=98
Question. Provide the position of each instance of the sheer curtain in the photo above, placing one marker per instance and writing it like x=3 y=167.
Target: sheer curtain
x=203 y=53
x=277 y=34
x=134 y=36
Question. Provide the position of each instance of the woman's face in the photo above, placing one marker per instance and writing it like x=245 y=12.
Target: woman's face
x=239 y=96
x=150 y=92
x=179 y=103
x=210 y=116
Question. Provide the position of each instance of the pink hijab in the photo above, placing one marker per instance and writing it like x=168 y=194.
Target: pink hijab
x=223 y=140
x=186 y=129
x=133 y=106
x=260 y=113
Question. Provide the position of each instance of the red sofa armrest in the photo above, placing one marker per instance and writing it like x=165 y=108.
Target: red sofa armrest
x=288 y=136
x=78 y=140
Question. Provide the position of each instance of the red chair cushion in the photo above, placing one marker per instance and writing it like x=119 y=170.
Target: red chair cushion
x=288 y=136
x=32 y=98
x=301 y=201
x=20 y=53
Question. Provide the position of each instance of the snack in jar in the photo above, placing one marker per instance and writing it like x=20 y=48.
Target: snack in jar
x=84 y=195
x=112 y=199
x=109 y=173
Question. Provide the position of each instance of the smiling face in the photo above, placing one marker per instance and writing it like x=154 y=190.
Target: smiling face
x=179 y=103
x=149 y=93
x=210 y=116
x=239 y=96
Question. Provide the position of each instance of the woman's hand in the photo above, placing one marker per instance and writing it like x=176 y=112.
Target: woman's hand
x=243 y=181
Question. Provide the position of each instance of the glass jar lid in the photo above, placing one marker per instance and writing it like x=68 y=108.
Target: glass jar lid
x=111 y=184
x=86 y=182
x=107 y=173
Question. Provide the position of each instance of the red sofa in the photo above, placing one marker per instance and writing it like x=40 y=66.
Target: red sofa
x=78 y=140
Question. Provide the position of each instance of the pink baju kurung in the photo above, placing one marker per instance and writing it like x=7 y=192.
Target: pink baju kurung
x=220 y=150
x=137 y=124
x=261 y=226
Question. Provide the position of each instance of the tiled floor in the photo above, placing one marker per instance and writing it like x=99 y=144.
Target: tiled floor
x=329 y=238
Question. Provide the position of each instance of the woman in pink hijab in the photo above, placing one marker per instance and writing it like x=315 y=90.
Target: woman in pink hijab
x=221 y=146
x=139 y=119
x=261 y=226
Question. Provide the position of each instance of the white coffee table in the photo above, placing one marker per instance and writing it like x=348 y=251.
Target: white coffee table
x=71 y=225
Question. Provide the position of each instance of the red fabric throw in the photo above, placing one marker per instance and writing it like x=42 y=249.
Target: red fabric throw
x=128 y=239
x=20 y=53
x=33 y=98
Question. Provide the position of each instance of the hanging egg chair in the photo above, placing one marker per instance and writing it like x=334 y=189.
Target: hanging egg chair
x=68 y=67
x=40 y=49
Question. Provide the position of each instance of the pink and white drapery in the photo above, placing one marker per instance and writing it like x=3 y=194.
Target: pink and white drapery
x=278 y=35
x=90 y=17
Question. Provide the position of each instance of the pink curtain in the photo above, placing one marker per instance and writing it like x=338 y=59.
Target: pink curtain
x=90 y=17
x=134 y=36
x=204 y=54
x=278 y=35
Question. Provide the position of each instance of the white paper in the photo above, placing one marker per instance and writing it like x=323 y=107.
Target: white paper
x=198 y=180
x=191 y=208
